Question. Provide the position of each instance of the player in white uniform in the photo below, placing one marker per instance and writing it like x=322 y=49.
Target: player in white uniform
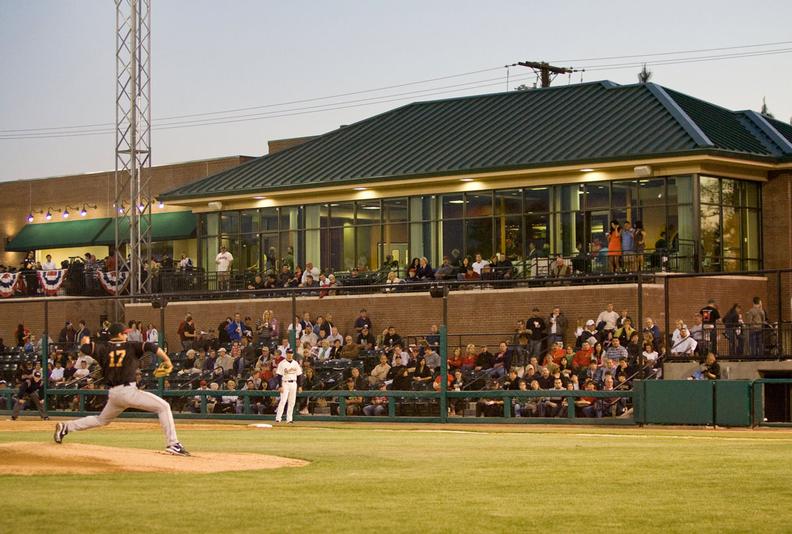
x=288 y=370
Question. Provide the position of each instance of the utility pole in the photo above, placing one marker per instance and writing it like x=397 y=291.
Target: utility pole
x=545 y=70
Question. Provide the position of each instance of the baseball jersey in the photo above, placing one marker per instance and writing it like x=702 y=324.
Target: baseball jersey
x=118 y=359
x=288 y=370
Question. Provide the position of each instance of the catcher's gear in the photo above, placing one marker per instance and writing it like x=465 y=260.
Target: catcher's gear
x=163 y=369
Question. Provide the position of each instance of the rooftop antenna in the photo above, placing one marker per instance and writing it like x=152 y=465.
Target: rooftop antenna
x=544 y=70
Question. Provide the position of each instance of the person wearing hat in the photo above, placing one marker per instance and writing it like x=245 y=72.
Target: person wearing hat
x=28 y=390
x=288 y=373
x=119 y=360
x=589 y=334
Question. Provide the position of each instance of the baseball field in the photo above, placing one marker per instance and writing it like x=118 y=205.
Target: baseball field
x=347 y=477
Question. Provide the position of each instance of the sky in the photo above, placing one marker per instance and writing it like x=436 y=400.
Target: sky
x=57 y=59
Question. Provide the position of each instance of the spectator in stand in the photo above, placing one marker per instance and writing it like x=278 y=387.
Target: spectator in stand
x=366 y=339
x=588 y=334
x=211 y=360
x=616 y=352
x=625 y=331
x=401 y=378
x=68 y=334
x=446 y=271
x=502 y=361
x=485 y=360
x=710 y=369
x=556 y=326
x=559 y=268
x=479 y=264
x=400 y=357
x=686 y=345
x=652 y=328
x=755 y=320
x=392 y=282
x=186 y=332
x=614 y=246
x=607 y=319
x=709 y=319
x=433 y=339
x=308 y=337
x=363 y=320
x=698 y=334
x=224 y=360
x=520 y=355
x=432 y=357
x=490 y=407
x=455 y=361
x=649 y=355
x=152 y=335
x=422 y=375
x=82 y=371
x=536 y=327
x=48 y=264
x=378 y=405
x=236 y=328
x=223 y=262
x=391 y=338
x=628 y=247
x=589 y=406
x=624 y=315
x=634 y=347
x=379 y=375
x=56 y=375
x=350 y=349
x=735 y=327
x=583 y=358
x=311 y=271
x=424 y=271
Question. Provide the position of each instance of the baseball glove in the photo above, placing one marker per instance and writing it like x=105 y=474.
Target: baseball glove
x=163 y=369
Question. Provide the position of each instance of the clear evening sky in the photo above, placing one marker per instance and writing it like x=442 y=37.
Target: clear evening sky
x=58 y=64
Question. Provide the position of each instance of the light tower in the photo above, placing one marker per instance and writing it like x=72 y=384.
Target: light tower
x=133 y=141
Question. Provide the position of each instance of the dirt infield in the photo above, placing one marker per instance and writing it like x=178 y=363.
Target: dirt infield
x=30 y=458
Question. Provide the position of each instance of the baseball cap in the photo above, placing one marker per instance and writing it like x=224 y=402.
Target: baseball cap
x=222 y=349
x=191 y=352
x=37 y=374
x=3 y=382
x=117 y=328
x=590 y=322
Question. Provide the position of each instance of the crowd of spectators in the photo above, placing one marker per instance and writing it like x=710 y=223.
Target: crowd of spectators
x=545 y=352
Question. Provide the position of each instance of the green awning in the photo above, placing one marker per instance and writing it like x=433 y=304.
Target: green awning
x=57 y=235
x=164 y=227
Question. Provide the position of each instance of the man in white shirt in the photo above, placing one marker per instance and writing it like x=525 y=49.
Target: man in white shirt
x=185 y=263
x=48 y=264
x=56 y=375
x=609 y=317
x=479 y=264
x=686 y=344
x=309 y=337
x=223 y=260
x=288 y=372
x=400 y=357
x=310 y=270
x=224 y=360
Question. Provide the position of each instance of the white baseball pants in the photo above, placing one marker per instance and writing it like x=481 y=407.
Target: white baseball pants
x=119 y=399
x=289 y=395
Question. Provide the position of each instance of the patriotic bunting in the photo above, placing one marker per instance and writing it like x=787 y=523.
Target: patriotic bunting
x=114 y=281
x=51 y=281
x=8 y=284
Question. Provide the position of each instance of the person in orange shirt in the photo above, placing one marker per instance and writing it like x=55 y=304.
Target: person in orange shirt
x=557 y=352
x=582 y=357
x=614 y=246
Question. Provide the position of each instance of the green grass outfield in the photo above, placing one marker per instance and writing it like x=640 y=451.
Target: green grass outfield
x=425 y=478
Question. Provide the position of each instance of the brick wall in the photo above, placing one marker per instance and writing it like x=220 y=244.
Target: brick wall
x=488 y=313
x=777 y=236
x=17 y=198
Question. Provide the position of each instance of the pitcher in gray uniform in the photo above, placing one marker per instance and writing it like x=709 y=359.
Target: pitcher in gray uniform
x=119 y=359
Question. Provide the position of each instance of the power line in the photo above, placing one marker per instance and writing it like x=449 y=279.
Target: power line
x=86 y=130
x=654 y=54
x=286 y=103
x=276 y=114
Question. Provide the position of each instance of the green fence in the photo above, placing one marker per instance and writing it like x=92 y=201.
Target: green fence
x=734 y=403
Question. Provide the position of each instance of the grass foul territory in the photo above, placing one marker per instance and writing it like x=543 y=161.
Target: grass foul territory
x=357 y=477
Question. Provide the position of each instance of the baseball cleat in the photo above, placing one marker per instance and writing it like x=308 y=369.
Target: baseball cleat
x=60 y=431
x=177 y=450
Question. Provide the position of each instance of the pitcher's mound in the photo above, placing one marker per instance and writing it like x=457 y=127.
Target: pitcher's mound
x=29 y=458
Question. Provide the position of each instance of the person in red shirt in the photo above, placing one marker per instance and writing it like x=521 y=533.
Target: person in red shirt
x=469 y=359
x=582 y=357
x=557 y=352
x=455 y=361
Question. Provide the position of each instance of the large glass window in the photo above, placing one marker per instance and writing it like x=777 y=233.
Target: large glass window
x=730 y=224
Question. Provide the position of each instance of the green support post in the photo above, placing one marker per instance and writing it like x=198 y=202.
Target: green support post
x=570 y=407
x=392 y=407
x=443 y=373
x=45 y=356
x=342 y=406
x=507 y=407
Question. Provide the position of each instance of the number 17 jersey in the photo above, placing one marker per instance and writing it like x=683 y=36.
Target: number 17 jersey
x=119 y=360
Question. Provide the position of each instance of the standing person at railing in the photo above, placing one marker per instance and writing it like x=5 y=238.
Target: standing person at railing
x=639 y=236
x=614 y=246
x=735 y=327
x=756 y=318
x=557 y=326
x=223 y=262
x=709 y=318
x=48 y=264
x=536 y=329
x=628 y=247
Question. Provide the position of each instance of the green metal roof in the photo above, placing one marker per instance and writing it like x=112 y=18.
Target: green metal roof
x=584 y=123
x=57 y=235
x=164 y=227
